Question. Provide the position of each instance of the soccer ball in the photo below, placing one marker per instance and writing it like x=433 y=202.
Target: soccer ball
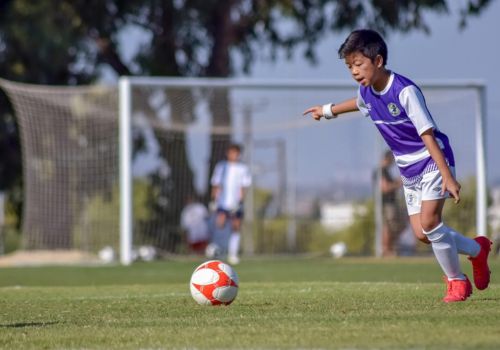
x=214 y=283
x=338 y=250
x=212 y=251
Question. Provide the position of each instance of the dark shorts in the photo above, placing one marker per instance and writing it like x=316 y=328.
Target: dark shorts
x=230 y=214
x=391 y=218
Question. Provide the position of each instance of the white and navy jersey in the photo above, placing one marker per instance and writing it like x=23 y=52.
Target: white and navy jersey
x=401 y=115
x=231 y=177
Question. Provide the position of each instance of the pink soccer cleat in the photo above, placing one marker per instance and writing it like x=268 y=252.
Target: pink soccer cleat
x=480 y=267
x=457 y=290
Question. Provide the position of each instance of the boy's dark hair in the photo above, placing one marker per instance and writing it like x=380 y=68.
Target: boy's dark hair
x=235 y=146
x=366 y=41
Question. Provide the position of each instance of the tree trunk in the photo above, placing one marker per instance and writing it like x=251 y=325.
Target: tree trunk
x=219 y=66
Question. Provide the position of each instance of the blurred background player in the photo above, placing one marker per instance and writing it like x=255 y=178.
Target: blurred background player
x=230 y=180
x=194 y=221
x=391 y=218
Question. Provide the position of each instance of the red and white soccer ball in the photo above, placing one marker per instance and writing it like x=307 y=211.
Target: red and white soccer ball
x=214 y=283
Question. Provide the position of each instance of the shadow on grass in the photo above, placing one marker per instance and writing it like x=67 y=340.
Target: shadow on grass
x=28 y=324
x=487 y=299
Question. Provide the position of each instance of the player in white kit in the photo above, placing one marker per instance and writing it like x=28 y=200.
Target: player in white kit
x=230 y=180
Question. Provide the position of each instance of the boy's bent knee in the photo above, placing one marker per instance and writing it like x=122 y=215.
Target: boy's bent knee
x=429 y=222
x=436 y=234
x=419 y=234
x=423 y=238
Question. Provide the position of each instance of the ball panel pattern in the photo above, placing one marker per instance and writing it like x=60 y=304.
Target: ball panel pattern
x=214 y=283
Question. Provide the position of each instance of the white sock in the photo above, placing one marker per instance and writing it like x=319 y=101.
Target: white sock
x=445 y=250
x=465 y=245
x=234 y=244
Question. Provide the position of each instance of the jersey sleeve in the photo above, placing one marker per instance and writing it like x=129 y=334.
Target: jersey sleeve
x=217 y=175
x=362 y=105
x=412 y=100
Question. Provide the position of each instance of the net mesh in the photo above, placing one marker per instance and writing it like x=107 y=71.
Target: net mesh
x=69 y=142
x=313 y=182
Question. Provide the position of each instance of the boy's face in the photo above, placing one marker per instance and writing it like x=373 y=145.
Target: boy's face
x=233 y=155
x=362 y=69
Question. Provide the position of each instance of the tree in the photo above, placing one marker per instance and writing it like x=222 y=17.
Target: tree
x=69 y=41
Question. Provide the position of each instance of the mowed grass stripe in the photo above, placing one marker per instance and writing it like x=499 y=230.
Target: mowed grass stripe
x=424 y=270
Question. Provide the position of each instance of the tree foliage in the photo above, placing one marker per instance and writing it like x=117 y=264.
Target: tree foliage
x=68 y=41
x=72 y=41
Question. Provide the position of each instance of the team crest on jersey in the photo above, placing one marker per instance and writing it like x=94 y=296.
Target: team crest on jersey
x=393 y=109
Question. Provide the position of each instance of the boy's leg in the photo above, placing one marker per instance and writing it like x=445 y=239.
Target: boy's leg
x=234 y=241
x=425 y=205
x=417 y=228
x=445 y=250
x=465 y=245
x=389 y=233
x=442 y=241
x=478 y=249
x=221 y=218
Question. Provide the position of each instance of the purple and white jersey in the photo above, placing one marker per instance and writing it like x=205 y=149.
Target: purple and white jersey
x=401 y=115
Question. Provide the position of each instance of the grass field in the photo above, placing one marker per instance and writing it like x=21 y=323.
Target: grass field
x=282 y=304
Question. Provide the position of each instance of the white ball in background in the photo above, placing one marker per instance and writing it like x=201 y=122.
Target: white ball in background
x=212 y=250
x=147 y=253
x=107 y=254
x=338 y=250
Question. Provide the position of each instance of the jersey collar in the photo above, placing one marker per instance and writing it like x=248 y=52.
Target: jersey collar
x=387 y=87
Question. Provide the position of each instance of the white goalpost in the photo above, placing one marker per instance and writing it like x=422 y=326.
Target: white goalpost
x=112 y=167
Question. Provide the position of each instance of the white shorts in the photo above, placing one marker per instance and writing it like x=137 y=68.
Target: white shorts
x=429 y=188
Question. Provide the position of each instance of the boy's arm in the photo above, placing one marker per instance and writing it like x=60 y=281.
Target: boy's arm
x=335 y=109
x=246 y=181
x=449 y=183
x=215 y=181
x=215 y=192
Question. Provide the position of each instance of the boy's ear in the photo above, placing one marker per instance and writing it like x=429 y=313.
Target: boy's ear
x=379 y=61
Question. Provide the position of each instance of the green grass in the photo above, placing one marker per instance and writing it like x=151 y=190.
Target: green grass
x=282 y=304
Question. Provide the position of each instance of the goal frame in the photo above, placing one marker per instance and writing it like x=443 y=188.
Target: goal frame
x=126 y=84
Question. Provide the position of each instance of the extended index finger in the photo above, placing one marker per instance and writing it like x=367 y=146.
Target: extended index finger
x=309 y=110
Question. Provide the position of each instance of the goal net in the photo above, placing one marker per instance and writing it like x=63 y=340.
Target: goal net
x=69 y=143
x=314 y=183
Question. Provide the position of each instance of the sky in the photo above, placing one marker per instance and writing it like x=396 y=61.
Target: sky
x=447 y=53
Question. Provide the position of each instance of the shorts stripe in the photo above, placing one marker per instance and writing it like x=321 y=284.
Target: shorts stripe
x=412 y=181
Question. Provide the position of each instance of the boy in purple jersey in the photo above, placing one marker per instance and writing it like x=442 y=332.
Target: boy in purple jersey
x=422 y=152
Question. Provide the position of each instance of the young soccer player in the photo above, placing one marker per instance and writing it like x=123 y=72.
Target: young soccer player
x=230 y=180
x=422 y=152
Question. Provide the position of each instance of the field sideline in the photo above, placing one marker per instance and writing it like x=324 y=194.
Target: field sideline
x=283 y=303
